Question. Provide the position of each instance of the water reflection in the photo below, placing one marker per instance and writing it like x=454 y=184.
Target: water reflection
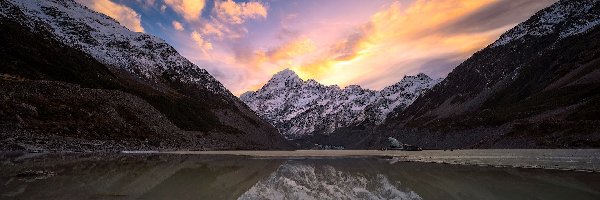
x=317 y=180
x=231 y=177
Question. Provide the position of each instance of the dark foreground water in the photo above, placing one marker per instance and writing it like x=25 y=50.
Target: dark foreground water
x=163 y=176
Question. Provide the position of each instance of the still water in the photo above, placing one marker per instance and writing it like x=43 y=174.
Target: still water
x=163 y=176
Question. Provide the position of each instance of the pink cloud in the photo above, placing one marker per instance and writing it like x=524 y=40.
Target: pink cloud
x=123 y=14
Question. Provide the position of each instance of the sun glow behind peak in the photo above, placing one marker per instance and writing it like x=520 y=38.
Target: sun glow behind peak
x=369 y=43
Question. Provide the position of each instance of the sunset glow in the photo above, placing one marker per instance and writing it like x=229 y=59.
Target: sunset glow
x=370 y=43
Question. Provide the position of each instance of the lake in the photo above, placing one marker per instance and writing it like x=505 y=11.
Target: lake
x=461 y=174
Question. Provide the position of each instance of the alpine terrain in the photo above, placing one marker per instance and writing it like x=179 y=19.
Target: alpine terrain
x=299 y=108
x=75 y=79
x=538 y=86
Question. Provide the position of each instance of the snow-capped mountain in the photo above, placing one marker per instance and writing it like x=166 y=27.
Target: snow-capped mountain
x=61 y=42
x=564 y=19
x=538 y=85
x=298 y=107
x=305 y=181
x=145 y=56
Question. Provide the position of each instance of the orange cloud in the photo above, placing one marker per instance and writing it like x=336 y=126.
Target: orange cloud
x=227 y=19
x=190 y=10
x=123 y=14
x=279 y=57
x=292 y=49
x=214 y=29
x=237 y=13
x=373 y=49
x=177 y=26
x=397 y=34
x=200 y=41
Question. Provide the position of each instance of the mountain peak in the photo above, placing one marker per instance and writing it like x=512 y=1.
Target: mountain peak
x=419 y=77
x=353 y=87
x=285 y=76
x=283 y=79
x=298 y=108
x=423 y=75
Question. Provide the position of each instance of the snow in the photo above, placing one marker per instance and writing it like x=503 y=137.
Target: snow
x=563 y=19
x=298 y=107
x=103 y=38
x=580 y=28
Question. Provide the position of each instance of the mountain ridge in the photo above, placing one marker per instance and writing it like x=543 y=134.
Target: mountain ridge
x=39 y=33
x=298 y=108
x=537 y=86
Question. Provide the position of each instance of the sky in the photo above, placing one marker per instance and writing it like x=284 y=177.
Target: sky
x=371 y=43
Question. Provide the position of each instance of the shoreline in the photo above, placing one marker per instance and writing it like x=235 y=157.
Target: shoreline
x=585 y=160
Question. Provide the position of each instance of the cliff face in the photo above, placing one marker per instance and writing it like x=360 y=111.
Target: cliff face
x=69 y=46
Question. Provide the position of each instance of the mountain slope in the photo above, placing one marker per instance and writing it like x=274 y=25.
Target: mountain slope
x=298 y=108
x=64 y=42
x=537 y=86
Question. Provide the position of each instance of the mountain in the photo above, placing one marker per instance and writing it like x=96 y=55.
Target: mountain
x=298 y=108
x=537 y=86
x=297 y=180
x=63 y=46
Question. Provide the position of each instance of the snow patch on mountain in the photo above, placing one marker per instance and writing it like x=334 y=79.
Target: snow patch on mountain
x=298 y=107
x=145 y=56
x=564 y=19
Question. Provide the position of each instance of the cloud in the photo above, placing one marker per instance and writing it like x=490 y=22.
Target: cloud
x=227 y=19
x=214 y=29
x=277 y=57
x=123 y=14
x=190 y=10
x=238 y=13
x=219 y=30
x=163 y=8
x=177 y=26
x=200 y=41
x=496 y=15
x=373 y=49
x=349 y=48
x=396 y=34
x=291 y=49
x=146 y=3
x=248 y=68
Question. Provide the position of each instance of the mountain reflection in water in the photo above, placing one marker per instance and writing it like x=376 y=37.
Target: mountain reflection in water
x=236 y=177
x=310 y=180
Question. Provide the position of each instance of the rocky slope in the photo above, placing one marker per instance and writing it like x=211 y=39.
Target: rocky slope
x=536 y=86
x=298 y=108
x=64 y=42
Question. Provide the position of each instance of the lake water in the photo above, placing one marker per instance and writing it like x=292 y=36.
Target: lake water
x=370 y=175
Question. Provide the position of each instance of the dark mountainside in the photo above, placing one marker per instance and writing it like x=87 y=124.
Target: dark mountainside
x=56 y=97
x=75 y=80
x=538 y=86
